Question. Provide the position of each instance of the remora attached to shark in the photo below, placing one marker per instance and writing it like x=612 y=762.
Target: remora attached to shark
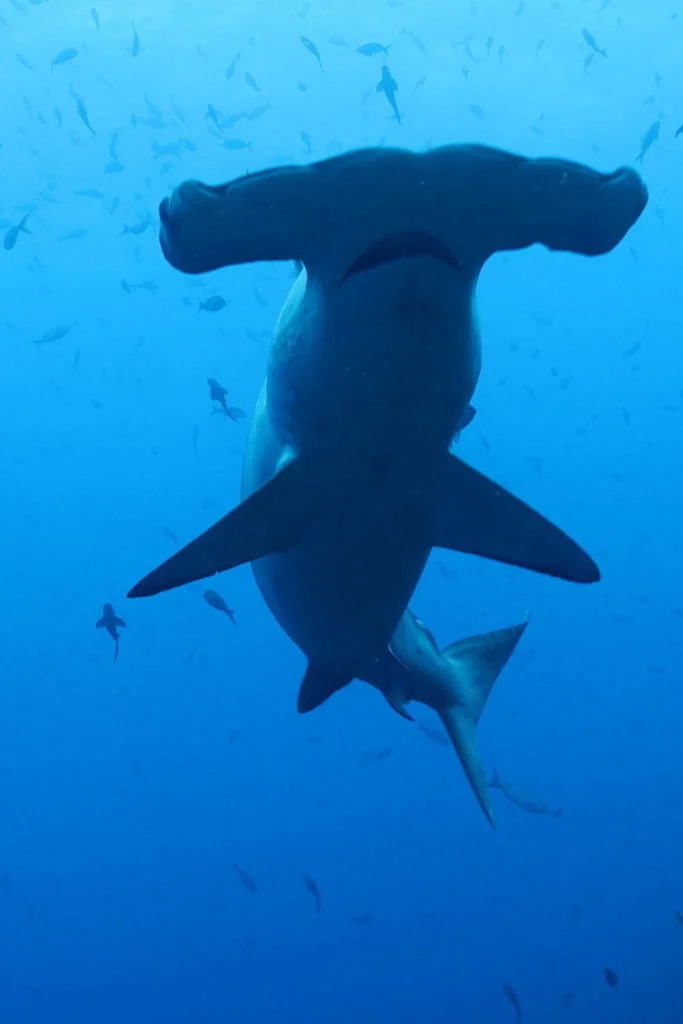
x=348 y=482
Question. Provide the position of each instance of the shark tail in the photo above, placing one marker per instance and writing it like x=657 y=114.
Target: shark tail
x=475 y=663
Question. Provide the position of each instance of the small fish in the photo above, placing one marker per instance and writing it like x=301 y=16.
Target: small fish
x=251 y=82
x=154 y=111
x=95 y=17
x=135 y=48
x=679 y=916
x=231 y=68
x=312 y=49
x=213 y=115
x=372 y=49
x=477 y=111
x=650 y=136
x=58 y=117
x=64 y=56
x=435 y=735
x=306 y=139
x=312 y=887
x=135 y=229
x=389 y=87
x=176 y=111
x=336 y=41
x=81 y=110
x=252 y=115
x=525 y=801
x=214 y=600
x=245 y=878
x=418 y=43
x=590 y=40
x=13 y=232
x=219 y=394
x=73 y=236
x=112 y=623
x=51 y=335
x=513 y=1000
x=24 y=63
x=90 y=193
x=214 y=304
x=611 y=977
x=233 y=145
x=679 y=131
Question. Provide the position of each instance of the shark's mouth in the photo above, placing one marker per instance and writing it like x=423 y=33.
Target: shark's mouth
x=400 y=246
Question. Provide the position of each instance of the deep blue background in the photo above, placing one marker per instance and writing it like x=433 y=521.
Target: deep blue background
x=128 y=791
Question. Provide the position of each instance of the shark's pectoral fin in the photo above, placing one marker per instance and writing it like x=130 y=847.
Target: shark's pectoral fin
x=475 y=664
x=272 y=519
x=316 y=686
x=479 y=517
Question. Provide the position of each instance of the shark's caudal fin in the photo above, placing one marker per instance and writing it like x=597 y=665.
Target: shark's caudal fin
x=272 y=519
x=316 y=686
x=477 y=516
x=475 y=664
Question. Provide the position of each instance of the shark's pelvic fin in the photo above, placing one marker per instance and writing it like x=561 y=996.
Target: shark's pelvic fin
x=316 y=686
x=479 y=517
x=272 y=519
x=476 y=663
x=398 y=703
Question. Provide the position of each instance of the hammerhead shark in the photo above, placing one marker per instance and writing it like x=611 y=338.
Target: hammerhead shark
x=348 y=482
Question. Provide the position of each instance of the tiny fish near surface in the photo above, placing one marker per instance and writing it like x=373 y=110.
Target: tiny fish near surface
x=246 y=879
x=611 y=977
x=214 y=304
x=513 y=1000
x=51 y=335
x=313 y=50
x=64 y=56
x=13 y=232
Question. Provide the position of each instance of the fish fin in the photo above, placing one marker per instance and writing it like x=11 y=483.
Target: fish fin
x=479 y=660
x=475 y=664
x=461 y=725
x=494 y=781
x=398 y=703
x=379 y=87
x=317 y=686
x=466 y=417
x=100 y=624
x=119 y=622
x=479 y=517
x=273 y=518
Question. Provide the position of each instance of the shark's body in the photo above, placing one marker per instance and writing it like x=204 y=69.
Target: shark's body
x=348 y=482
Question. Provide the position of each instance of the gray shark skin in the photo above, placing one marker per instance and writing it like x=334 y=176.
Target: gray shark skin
x=347 y=481
x=455 y=682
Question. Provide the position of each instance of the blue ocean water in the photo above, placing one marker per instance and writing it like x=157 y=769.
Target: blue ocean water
x=177 y=843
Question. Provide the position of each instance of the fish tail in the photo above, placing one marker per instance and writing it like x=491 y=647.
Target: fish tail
x=116 y=648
